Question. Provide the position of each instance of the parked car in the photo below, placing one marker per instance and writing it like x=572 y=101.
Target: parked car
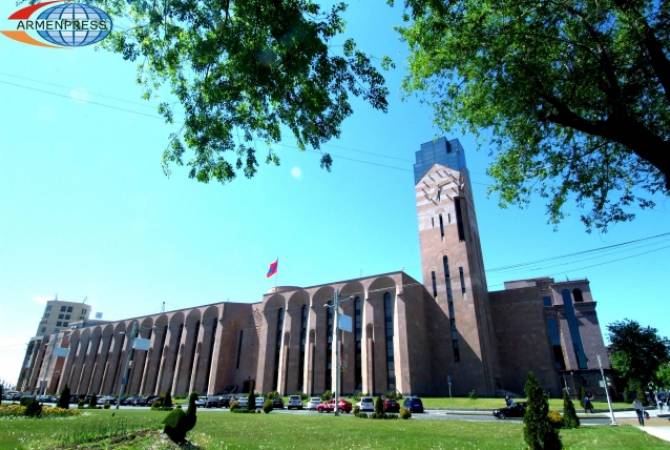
x=313 y=403
x=259 y=401
x=243 y=401
x=278 y=403
x=366 y=404
x=391 y=406
x=201 y=401
x=294 y=402
x=107 y=398
x=329 y=406
x=516 y=410
x=150 y=399
x=413 y=404
x=47 y=399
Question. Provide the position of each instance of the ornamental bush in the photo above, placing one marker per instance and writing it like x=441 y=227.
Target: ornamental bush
x=267 y=406
x=106 y=405
x=326 y=396
x=555 y=419
x=405 y=413
x=33 y=408
x=93 y=402
x=356 y=410
x=362 y=415
x=379 y=406
x=251 y=405
x=472 y=394
x=538 y=431
x=570 y=419
x=64 y=399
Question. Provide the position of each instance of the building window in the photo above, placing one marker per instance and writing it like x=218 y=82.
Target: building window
x=432 y=275
x=303 y=342
x=577 y=293
x=329 y=346
x=459 y=219
x=65 y=324
x=69 y=309
x=441 y=227
x=462 y=276
x=432 y=222
x=454 y=340
x=358 y=324
x=59 y=324
x=44 y=329
x=546 y=301
x=278 y=334
x=388 y=328
x=67 y=317
x=61 y=316
x=439 y=194
x=447 y=278
x=63 y=308
x=573 y=326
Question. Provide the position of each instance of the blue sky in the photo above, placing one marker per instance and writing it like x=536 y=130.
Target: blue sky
x=85 y=210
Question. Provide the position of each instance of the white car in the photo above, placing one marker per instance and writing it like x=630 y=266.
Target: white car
x=259 y=402
x=243 y=401
x=366 y=404
x=294 y=401
x=313 y=403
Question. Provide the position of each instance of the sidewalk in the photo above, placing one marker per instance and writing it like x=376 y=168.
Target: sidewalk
x=659 y=432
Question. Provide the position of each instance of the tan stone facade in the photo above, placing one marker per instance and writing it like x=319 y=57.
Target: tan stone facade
x=415 y=337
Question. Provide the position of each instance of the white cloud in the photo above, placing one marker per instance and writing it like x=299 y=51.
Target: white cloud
x=296 y=172
x=80 y=95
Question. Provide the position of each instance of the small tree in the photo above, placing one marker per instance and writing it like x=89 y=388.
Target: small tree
x=582 y=394
x=570 y=418
x=167 y=401
x=252 y=401
x=93 y=402
x=64 y=399
x=379 y=408
x=327 y=395
x=537 y=429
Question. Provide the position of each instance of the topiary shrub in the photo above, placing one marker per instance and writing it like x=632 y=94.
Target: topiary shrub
x=80 y=404
x=356 y=397
x=356 y=410
x=405 y=413
x=167 y=401
x=93 y=402
x=582 y=394
x=33 y=408
x=326 y=396
x=64 y=399
x=538 y=431
x=106 y=405
x=234 y=405
x=570 y=419
x=251 y=405
x=267 y=406
x=379 y=406
x=555 y=419
x=473 y=394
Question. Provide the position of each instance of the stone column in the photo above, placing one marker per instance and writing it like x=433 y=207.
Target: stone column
x=101 y=364
x=401 y=346
x=197 y=359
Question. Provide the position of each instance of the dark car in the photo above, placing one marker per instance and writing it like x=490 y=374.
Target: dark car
x=391 y=406
x=516 y=410
x=277 y=403
x=135 y=400
x=413 y=404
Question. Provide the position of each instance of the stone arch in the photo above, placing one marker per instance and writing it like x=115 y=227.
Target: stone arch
x=385 y=333
x=170 y=352
x=187 y=352
x=80 y=359
x=139 y=357
x=295 y=342
x=113 y=368
x=350 y=353
x=210 y=326
x=152 y=371
x=274 y=313
x=319 y=316
x=73 y=345
x=101 y=361
x=90 y=359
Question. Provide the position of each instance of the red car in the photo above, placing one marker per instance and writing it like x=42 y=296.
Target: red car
x=391 y=406
x=329 y=406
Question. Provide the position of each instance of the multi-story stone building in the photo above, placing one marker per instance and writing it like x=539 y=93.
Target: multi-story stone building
x=447 y=332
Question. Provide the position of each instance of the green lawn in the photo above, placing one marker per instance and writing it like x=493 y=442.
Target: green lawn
x=493 y=403
x=219 y=430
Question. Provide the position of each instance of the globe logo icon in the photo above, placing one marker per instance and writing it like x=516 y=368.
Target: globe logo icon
x=82 y=25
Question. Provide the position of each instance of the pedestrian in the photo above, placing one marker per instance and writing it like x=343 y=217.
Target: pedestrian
x=659 y=400
x=588 y=406
x=639 y=410
x=508 y=400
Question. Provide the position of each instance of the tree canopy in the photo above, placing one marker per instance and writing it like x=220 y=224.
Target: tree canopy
x=243 y=72
x=575 y=94
x=637 y=352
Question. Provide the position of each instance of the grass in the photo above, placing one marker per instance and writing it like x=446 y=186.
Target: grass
x=219 y=430
x=493 y=403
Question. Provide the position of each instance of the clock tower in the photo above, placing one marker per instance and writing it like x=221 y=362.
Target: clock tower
x=453 y=267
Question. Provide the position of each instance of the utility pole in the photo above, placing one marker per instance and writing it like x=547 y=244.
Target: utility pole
x=337 y=352
x=126 y=363
x=607 y=392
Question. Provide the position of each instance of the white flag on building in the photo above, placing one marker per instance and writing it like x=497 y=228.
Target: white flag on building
x=142 y=344
x=345 y=323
